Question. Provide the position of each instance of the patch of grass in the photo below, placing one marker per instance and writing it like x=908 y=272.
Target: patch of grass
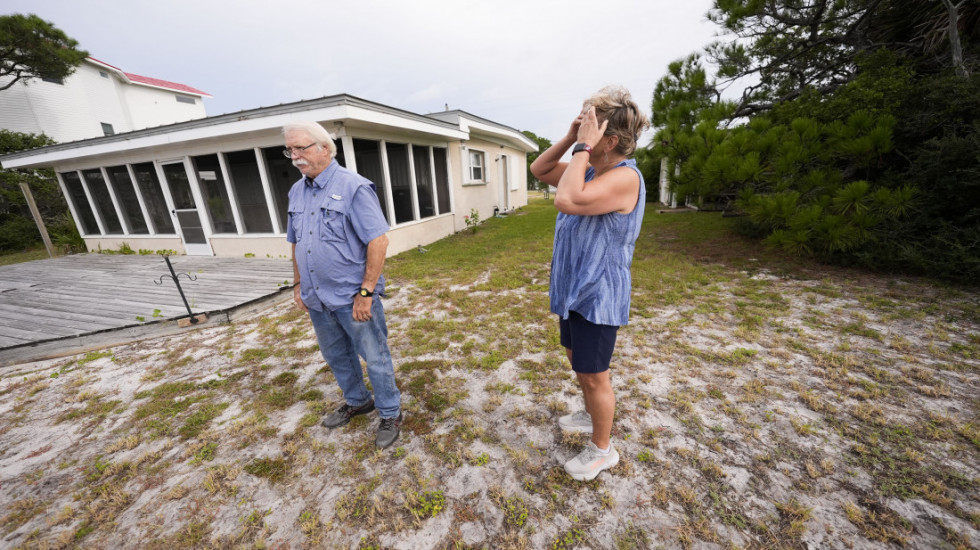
x=878 y=522
x=423 y=505
x=357 y=504
x=11 y=258
x=20 y=512
x=206 y=453
x=436 y=394
x=95 y=410
x=631 y=537
x=285 y=379
x=93 y=356
x=273 y=469
x=253 y=356
x=311 y=395
x=200 y=419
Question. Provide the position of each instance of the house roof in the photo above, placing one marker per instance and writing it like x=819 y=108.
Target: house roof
x=336 y=107
x=150 y=81
x=468 y=122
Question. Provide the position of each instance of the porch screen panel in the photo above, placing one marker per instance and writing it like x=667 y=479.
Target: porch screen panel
x=215 y=193
x=339 y=157
x=442 y=178
x=423 y=181
x=128 y=202
x=247 y=183
x=401 y=182
x=86 y=219
x=282 y=176
x=367 y=154
x=156 y=204
x=103 y=201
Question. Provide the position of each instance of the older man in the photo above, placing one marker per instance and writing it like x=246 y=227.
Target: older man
x=339 y=244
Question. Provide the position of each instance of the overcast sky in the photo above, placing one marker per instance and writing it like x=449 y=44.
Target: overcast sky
x=527 y=64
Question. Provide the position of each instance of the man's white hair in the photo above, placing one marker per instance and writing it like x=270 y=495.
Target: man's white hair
x=316 y=132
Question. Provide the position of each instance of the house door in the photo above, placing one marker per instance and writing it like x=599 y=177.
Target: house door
x=185 y=209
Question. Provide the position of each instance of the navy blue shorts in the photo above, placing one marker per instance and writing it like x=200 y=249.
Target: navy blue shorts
x=591 y=344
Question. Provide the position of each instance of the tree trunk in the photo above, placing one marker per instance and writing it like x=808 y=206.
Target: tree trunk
x=954 y=38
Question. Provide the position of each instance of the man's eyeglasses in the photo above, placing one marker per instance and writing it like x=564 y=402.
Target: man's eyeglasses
x=288 y=151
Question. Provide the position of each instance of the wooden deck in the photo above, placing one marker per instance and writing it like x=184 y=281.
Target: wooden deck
x=85 y=293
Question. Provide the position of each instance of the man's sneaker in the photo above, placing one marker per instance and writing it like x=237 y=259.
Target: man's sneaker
x=590 y=462
x=343 y=415
x=388 y=431
x=579 y=421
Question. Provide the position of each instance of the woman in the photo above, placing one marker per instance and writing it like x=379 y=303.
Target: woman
x=600 y=200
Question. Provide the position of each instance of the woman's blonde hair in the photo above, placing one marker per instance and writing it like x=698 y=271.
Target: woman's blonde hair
x=626 y=120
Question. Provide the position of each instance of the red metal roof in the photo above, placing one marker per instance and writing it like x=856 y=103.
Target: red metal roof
x=149 y=81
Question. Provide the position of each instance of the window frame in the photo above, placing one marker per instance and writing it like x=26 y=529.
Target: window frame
x=470 y=180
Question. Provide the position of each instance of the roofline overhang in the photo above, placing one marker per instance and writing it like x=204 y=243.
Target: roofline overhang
x=173 y=90
x=471 y=123
x=124 y=76
x=340 y=107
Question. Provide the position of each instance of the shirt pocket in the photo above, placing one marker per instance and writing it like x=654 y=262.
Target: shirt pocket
x=333 y=223
x=296 y=220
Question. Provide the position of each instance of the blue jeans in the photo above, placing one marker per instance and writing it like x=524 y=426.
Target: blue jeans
x=342 y=340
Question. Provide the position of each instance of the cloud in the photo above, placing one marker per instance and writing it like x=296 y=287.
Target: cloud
x=525 y=64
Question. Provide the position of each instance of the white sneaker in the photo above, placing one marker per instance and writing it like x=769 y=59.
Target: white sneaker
x=587 y=465
x=578 y=421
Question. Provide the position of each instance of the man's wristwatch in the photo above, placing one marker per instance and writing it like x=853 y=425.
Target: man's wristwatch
x=579 y=147
x=364 y=292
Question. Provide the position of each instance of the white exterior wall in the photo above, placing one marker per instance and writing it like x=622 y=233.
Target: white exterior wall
x=484 y=196
x=59 y=111
x=154 y=107
x=75 y=110
x=350 y=122
x=103 y=100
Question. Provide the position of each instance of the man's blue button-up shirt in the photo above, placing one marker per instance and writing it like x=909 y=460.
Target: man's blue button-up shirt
x=331 y=220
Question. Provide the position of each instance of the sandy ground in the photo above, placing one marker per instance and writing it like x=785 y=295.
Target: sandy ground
x=754 y=411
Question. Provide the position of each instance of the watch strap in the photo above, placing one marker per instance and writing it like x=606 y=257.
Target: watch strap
x=579 y=147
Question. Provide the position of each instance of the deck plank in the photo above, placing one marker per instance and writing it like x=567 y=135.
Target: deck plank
x=83 y=293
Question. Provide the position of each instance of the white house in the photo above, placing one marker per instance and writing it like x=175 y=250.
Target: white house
x=96 y=100
x=219 y=185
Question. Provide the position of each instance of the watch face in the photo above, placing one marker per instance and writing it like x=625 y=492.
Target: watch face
x=364 y=292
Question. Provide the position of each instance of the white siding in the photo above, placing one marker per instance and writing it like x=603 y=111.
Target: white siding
x=102 y=99
x=153 y=107
x=16 y=114
x=60 y=111
x=77 y=109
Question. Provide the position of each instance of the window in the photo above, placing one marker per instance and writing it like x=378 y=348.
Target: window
x=103 y=74
x=401 y=182
x=442 y=178
x=282 y=175
x=477 y=165
x=76 y=193
x=156 y=204
x=107 y=129
x=102 y=201
x=185 y=99
x=423 y=181
x=247 y=184
x=367 y=154
x=128 y=201
x=215 y=193
x=54 y=79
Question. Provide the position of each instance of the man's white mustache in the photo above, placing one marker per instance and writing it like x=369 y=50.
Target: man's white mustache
x=299 y=162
